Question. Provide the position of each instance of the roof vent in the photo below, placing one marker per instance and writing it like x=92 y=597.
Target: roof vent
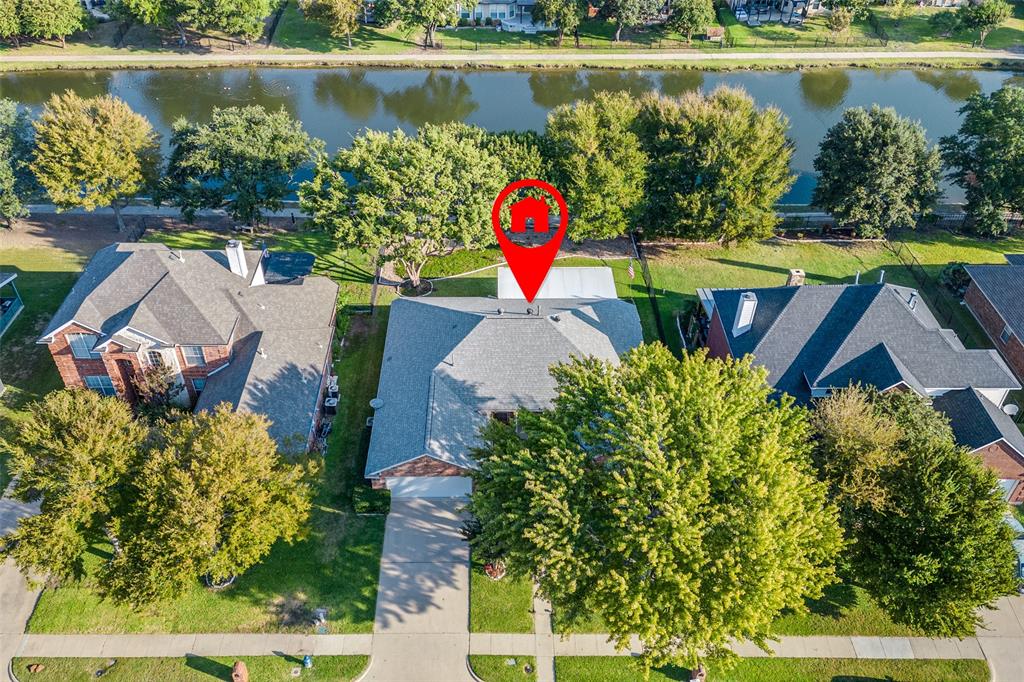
x=912 y=302
x=745 y=313
x=1011 y=409
x=881 y=277
x=501 y=311
x=376 y=403
x=262 y=353
x=236 y=258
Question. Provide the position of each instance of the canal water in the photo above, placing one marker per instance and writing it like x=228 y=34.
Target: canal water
x=336 y=104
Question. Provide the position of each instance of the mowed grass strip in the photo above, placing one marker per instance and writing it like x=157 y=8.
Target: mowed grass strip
x=191 y=668
x=624 y=669
x=504 y=605
x=497 y=668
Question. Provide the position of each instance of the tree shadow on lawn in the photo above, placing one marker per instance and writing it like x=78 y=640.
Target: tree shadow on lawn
x=835 y=602
x=811 y=276
x=208 y=666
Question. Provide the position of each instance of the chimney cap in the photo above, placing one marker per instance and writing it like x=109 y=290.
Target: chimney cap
x=377 y=403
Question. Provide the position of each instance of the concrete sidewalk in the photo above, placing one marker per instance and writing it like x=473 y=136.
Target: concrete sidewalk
x=141 y=646
x=17 y=599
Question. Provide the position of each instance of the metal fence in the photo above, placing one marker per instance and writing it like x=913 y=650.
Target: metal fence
x=926 y=284
x=645 y=272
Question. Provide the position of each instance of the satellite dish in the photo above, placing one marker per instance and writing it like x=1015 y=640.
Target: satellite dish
x=376 y=403
x=1011 y=409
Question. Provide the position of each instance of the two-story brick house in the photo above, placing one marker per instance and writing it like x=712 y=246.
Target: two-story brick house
x=247 y=327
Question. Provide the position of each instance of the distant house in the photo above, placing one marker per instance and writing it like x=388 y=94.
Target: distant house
x=11 y=304
x=518 y=10
x=817 y=339
x=250 y=328
x=450 y=364
x=996 y=299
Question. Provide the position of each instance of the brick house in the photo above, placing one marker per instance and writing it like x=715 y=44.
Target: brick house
x=817 y=339
x=450 y=364
x=247 y=327
x=996 y=299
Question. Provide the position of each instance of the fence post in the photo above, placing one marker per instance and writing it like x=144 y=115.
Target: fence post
x=645 y=271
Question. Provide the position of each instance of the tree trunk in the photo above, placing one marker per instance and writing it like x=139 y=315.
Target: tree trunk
x=412 y=271
x=117 y=216
x=115 y=543
x=689 y=35
x=618 y=32
x=428 y=41
x=17 y=43
x=182 y=38
x=576 y=37
x=984 y=34
x=561 y=35
x=349 y=35
x=64 y=43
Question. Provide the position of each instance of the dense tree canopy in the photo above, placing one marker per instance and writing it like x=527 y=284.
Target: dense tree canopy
x=630 y=13
x=641 y=497
x=985 y=16
x=986 y=157
x=10 y=22
x=425 y=14
x=341 y=17
x=15 y=150
x=924 y=515
x=412 y=197
x=72 y=453
x=566 y=15
x=49 y=19
x=243 y=160
x=94 y=152
x=236 y=17
x=598 y=165
x=876 y=171
x=691 y=16
x=210 y=499
x=718 y=165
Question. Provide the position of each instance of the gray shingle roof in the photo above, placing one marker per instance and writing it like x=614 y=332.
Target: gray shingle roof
x=826 y=336
x=450 y=361
x=1003 y=286
x=976 y=421
x=193 y=298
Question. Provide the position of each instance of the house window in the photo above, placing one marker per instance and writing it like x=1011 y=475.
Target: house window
x=193 y=356
x=155 y=358
x=101 y=384
x=1006 y=335
x=81 y=346
x=464 y=14
x=199 y=385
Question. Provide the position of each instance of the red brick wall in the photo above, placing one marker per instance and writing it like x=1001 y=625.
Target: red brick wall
x=718 y=344
x=421 y=466
x=71 y=369
x=215 y=356
x=992 y=322
x=1006 y=462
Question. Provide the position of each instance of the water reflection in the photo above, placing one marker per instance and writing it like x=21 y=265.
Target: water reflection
x=441 y=97
x=350 y=90
x=33 y=89
x=553 y=88
x=194 y=94
x=675 y=83
x=957 y=85
x=824 y=89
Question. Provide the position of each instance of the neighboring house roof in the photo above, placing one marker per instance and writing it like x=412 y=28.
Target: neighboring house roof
x=976 y=421
x=192 y=298
x=449 y=362
x=827 y=336
x=1003 y=286
x=589 y=282
x=7 y=277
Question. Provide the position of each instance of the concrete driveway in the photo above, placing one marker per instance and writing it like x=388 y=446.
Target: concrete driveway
x=421 y=631
x=17 y=599
x=1002 y=640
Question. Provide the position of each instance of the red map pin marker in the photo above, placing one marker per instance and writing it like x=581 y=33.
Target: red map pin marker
x=530 y=264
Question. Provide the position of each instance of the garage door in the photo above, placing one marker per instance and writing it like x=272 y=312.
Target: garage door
x=430 y=486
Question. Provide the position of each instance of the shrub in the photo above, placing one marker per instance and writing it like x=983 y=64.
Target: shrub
x=955 y=278
x=488 y=22
x=367 y=500
x=463 y=21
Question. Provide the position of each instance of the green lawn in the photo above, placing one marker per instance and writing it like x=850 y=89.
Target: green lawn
x=623 y=669
x=497 y=668
x=915 y=30
x=191 y=668
x=499 y=605
x=813 y=33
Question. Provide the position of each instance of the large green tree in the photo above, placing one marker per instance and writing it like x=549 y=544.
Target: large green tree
x=597 y=163
x=411 y=198
x=242 y=160
x=340 y=17
x=985 y=16
x=72 y=454
x=94 y=152
x=718 y=165
x=630 y=13
x=986 y=158
x=673 y=498
x=47 y=19
x=425 y=14
x=10 y=22
x=691 y=16
x=876 y=171
x=236 y=17
x=15 y=150
x=924 y=515
x=209 y=501
x=565 y=15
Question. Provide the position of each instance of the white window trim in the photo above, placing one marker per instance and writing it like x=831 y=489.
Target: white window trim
x=189 y=362
x=103 y=388
x=89 y=354
x=1006 y=334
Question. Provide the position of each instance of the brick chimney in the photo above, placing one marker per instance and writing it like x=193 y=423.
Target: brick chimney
x=796 y=278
